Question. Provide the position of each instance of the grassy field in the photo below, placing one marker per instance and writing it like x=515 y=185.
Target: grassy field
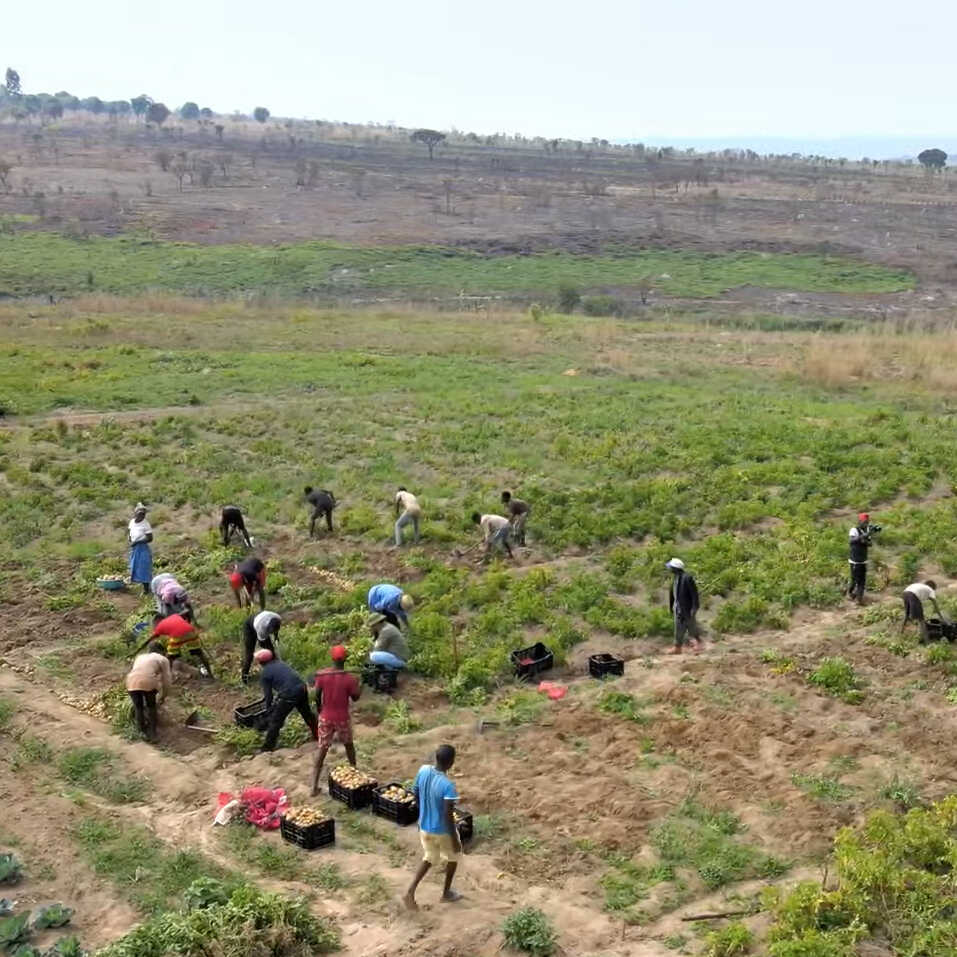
x=747 y=453
x=46 y=262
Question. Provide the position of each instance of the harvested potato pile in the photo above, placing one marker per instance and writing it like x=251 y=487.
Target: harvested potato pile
x=397 y=794
x=307 y=816
x=349 y=777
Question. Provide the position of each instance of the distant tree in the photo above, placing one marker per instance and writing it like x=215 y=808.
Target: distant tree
x=119 y=108
x=157 y=113
x=32 y=104
x=163 y=159
x=569 y=297
x=206 y=113
x=140 y=104
x=261 y=114
x=189 y=111
x=53 y=110
x=93 y=104
x=69 y=101
x=12 y=82
x=431 y=138
x=932 y=159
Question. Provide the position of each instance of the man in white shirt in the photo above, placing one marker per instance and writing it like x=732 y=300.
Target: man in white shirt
x=495 y=533
x=914 y=597
x=408 y=505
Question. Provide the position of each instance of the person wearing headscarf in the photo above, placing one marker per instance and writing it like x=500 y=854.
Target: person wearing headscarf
x=140 y=535
x=170 y=596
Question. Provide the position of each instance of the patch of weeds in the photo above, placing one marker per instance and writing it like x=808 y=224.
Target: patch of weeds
x=780 y=664
x=823 y=787
x=681 y=711
x=622 y=704
x=939 y=654
x=731 y=941
x=251 y=849
x=93 y=769
x=905 y=794
x=31 y=750
x=54 y=666
x=786 y=702
x=489 y=827
x=373 y=891
x=521 y=707
x=627 y=882
x=7 y=710
x=399 y=718
x=531 y=932
x=675 y=941
x=837 y=677
x=951 y=694
x=719 y=695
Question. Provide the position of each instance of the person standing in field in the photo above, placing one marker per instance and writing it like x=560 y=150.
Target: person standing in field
x=148 y=684
x=517 y=515
x=683 y=603
x=914 y=597
x=248 y=580
x=283 y=691
x=231 y=520
x=392 y=602
x=336 y=689
x=140 y=535
x=390 y=649
x=408 y=505
x=439 y=836
x=322 y=502
x=860 y=538
x=259 y=630
x=495 y=533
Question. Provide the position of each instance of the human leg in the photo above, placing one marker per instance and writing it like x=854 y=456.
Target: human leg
x=415 y=528
x=308 y=715
x=205 y=668
x=329 y=519
x=277 y=718
x=137 y=697
x=152 y=718
x=400 y=523
x=249 y=649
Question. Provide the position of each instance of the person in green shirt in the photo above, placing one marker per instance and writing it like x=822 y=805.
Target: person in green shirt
x=390 y=649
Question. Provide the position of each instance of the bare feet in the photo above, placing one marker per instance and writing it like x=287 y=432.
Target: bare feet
x=450 y=897
x=409 y=902
x=674 y=651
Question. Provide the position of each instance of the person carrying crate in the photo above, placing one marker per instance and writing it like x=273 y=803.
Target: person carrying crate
x=336 y=688
x=914 y=597
x=436 y=796
x=283 y=691
x=260 y=630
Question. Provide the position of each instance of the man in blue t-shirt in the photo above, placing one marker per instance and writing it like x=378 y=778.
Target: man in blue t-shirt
x=436 y=795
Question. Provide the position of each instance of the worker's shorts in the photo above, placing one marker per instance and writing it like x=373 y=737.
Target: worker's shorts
x=438 y=847
x=331 y=730
x=913 y=607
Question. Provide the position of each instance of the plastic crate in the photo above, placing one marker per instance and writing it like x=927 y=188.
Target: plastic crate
x=402 y=814
x=354 y=798
x=464 y=824
x=938 y=630
x=599 y=666
x=532 y=661
x=311 y=837
x=251 y=715
x=380 y=680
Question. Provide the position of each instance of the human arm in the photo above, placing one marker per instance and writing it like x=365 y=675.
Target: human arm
x=450 y=799
x=355 y=692
x=695 y=598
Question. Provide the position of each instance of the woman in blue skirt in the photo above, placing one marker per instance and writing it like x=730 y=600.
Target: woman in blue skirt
x=141 y=555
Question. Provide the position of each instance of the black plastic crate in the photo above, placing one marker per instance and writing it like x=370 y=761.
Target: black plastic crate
x=380 y=680
x=354 y=798
x=529 y=662
x=599 y=666
x=311 y=837
x=464 y=825
x=402 y=814
x=251 y=715
x=938 y=630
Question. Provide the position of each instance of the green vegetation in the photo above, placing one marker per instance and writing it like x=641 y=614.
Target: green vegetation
x=895 y=887
x=731 y=941
x=837 y=677
x=249 y=922
x=530 y=931
x=94 y=769
x=622 y=704
x=7 y=711
x=44 y=262
x=822 y=786
x=11 y=868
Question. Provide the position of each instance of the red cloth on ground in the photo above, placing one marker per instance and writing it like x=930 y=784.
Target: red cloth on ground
x=262 y=806
x=554 y=691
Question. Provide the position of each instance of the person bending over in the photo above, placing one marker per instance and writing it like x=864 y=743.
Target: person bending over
x=322 y=502
x=231 y=520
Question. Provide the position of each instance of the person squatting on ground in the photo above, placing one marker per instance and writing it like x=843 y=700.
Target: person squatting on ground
x=283 y=690
x=260 y=630
x=438 y=834
x=148 y=684
x=336 y=688
x=518 y=512
x=182 y=635
x=683 y=603
x=248 y=581
x=860 y=539
x=322 y=502
x=140 y=534
x=389 y=649
x=392 y=602
x=411 y=512
x=231 y=520
x=170 y=597
x=914 y=597
x=495 y=534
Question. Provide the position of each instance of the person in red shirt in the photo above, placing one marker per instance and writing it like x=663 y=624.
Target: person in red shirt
x=335 y=688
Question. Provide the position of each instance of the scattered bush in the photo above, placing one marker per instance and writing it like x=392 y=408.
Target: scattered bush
x=569 y=297
x=529 y=930
x=730 y=941
x=602 y=306
x=837 y=677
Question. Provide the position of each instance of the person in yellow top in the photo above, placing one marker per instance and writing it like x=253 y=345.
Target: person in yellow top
x=408 y=505
x=148 y=684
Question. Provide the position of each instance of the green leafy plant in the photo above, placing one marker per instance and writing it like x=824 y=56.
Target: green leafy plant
x=529 y=930
x=399 y=718
x=54 y=915
x=622 y=704
x=15 y=929
x=94 y=769
x=822 y=787
x=11 y=869
x=731 y=941
x=66 y=947
x=837 y=677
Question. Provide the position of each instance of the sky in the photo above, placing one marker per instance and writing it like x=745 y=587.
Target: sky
x=622 y=70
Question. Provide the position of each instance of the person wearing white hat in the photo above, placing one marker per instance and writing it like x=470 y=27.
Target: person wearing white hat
x=683 y=603
x=141 y=555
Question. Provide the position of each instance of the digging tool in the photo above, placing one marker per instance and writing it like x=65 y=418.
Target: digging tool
x=462 y=552
x=191 y=724
x=484 y=723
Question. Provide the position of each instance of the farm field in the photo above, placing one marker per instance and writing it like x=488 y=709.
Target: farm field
x=689 y=786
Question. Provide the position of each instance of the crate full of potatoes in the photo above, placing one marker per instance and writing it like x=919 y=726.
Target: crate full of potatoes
x=351 y=786
x=309 y=827
x=396 y=803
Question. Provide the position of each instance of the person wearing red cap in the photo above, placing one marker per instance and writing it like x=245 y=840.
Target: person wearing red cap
x=335 y=688
x=859 y=539
x=248 y=580
x=283 y=690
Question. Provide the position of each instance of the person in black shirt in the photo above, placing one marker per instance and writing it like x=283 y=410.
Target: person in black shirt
x=517 y=516
x=249 y=580
x=259 y=630
x=683 y=603
x=231 y=520
x=283 y=691
x=859 y=541
x=322 y=502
